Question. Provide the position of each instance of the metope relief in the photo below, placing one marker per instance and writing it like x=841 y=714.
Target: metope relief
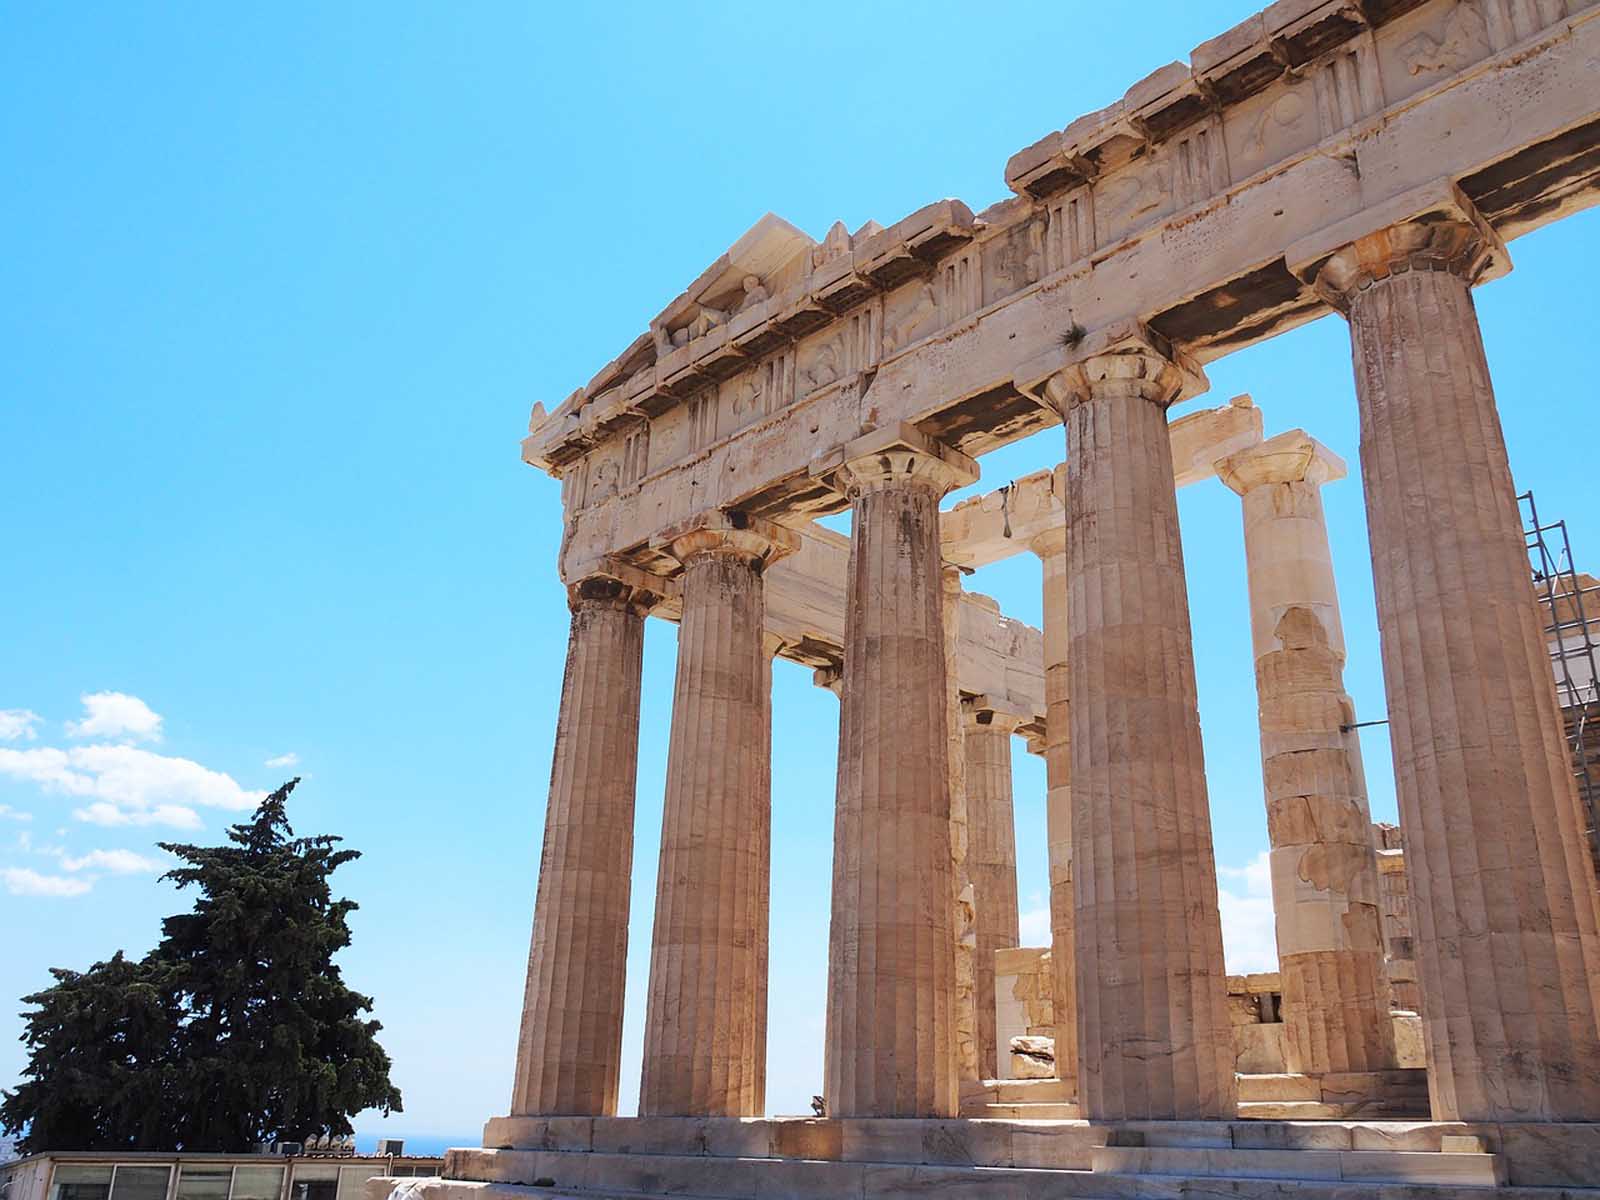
x=1013 y=260
x=1271 y=125
x=1130 y=197
x=1428 y=44
x=910 y=313
x=822 y=359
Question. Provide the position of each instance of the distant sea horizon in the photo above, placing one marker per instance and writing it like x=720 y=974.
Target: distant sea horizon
x=425 y=1144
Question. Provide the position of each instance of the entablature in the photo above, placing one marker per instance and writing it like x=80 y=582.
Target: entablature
x=1179 y=229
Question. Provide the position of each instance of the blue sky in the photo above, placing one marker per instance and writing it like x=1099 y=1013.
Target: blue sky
x=281 y=285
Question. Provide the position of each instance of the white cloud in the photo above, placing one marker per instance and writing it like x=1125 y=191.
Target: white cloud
x=118 y=862
x=7 y=813
x=1249 y=937
x=126 y=785
x=116 y=715
x=16 y=724
x=109 y=815
x=20 y=881
x=290 y=759
x=1035 y=926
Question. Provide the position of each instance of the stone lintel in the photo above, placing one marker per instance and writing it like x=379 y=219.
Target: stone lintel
x=1291 y=457
x=898 y=449
x=1013 y=520
x=1434 y=221
x=736 y=532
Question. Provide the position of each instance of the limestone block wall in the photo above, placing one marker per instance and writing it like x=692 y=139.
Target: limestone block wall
x=1023 y=999
x=1394 y=898
x=1255 y=1012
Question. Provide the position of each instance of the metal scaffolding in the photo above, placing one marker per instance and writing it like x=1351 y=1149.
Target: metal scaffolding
x=1570 y=634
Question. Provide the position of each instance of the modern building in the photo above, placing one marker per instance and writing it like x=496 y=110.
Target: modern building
x=134 y=1175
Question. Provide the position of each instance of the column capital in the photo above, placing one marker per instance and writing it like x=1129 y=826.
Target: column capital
x=1431 y=228
x=1126 y=359
x=619 y=587
x=981 y=712
x=1051 y=542
x=1292 y=457
x=829 y=677
x=896 y=455
x=716 y=531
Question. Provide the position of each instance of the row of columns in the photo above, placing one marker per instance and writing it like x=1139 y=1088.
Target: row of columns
x=1503 y=892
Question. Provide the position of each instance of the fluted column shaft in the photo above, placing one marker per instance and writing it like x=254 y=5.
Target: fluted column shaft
x=569 y=1049
x=1052 y=551
x=1153 y=1028
x=1325 y=895
x=704 y=1044
x=1501 y=884
x=964 y=918
x=991 y=861
x=890 y=1041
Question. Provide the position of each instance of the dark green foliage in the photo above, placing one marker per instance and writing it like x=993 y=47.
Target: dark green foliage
x=99 y=1069
x=236 y=1029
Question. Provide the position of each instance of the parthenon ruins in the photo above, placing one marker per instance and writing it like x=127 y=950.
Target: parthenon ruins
x=1370 y=158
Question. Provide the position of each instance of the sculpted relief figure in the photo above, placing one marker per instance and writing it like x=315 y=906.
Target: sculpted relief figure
x=747 y=394
x=604 y=482
x=1464 y=39
x=835 y=244
x=705 y=318
x=1019 y=260
x=919 y=319
x=829 y=364
x=755 y=292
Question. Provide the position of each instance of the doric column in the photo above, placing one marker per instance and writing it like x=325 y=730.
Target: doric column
x=1324 y=873
x=964 y=919
x=891 y=960
x=704 y=1051
x=569 y=1050
x=991 y=859
x=1051 y=547
x=1153 y=1029
x=1501 y=883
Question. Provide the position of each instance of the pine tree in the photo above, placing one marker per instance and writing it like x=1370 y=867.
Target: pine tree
x=99 y=1068
x=239 y=1027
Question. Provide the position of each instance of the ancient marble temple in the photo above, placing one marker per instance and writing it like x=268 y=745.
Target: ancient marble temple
x=1365 y=158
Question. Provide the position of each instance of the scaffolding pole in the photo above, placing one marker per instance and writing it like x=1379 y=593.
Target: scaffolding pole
x=1570 y=635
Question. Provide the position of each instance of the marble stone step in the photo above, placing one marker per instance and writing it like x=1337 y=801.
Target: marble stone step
x=1043 y=1111
x=1549 y=1155
x=1349 y=1166
x=1027 y=1091
x=1317 y=1110
x=1290 y=1110
x=624 y=1177
x=1253 y=1088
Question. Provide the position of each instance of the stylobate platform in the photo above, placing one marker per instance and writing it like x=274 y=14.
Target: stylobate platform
x=728 y=1158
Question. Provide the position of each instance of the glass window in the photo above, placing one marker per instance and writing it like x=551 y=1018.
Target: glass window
x=80 y=1183
x=140 y=1183
x=204 y=1183
x=352 y=1180
x=257 y=1183
x=315 y=1182
x=75 y=1182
